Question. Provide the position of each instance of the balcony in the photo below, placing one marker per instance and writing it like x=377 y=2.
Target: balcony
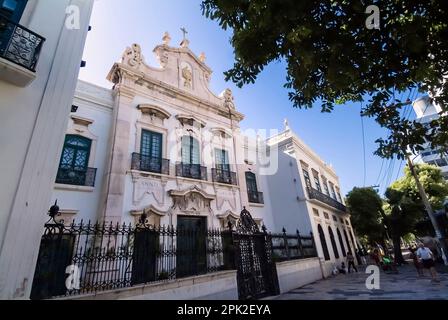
x=77 y=177
x=19 y=52
x=224 y=176
x=150 y=164
x=192 y=171
x=316 y=194
x=255 y=197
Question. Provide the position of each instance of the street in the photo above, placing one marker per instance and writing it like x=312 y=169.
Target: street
x=403 y=286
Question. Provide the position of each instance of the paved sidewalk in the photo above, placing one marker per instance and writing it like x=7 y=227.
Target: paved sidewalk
x=403 y=286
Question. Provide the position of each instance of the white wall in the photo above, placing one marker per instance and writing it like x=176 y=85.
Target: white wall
x=32 y=122
x=95 y=104
x=289 y=209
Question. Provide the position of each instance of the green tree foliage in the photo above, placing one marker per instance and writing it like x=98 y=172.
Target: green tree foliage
x=431 y=177
x=333 y=58
x=365 y=207
x=404 y=192
x=402 y=213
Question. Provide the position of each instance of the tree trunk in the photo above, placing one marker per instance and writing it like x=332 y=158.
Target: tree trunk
x=397 y=250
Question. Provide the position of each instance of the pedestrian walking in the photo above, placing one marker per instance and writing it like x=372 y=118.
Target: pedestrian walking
x=426 y=257
x=351 y=262
x=417 y=264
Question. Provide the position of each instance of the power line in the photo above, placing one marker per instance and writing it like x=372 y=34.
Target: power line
x=363 y=145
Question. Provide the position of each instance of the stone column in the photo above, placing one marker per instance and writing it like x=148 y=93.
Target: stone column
x=119 y=156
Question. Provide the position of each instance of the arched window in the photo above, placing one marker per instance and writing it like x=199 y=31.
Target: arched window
x=348 y=242
x=323 y=242
x=333 y=243
x=73 y=166
x=341 y=242
x=190 y=150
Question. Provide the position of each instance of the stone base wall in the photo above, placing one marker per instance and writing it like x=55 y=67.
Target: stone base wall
x=215 y=286
x=298 y=273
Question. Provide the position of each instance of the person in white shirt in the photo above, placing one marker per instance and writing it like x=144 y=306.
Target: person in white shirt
x=426 y=257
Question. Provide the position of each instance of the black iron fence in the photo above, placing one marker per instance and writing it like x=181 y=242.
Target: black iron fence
x=77 y=176
x=292 y=246
x=224 y=176
x=150 y=164
x=101 y=257
x=19 y=45
x=83 y=258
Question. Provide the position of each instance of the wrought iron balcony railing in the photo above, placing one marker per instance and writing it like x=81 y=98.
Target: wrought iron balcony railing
x=193 y=171
x=224 y=176
x=150 y=164
x=255 y=197
x=19 y=45
x=77 y=177
x=316 y=194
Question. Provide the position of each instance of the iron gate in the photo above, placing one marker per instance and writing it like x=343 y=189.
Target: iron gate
x=256 y=270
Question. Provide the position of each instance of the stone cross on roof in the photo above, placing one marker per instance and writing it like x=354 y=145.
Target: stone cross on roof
x=185 y=41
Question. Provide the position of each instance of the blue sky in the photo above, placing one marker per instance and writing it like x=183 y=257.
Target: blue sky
x=336 y=137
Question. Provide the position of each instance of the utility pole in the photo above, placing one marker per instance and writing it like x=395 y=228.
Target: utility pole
x=429 y=210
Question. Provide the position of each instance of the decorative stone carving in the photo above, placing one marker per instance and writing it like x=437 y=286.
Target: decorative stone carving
x=133 y=56
x=202 y=57
x=228 y=99
x=223 y=196
x=191 y=201
x=187 y=76
x=146 y=187
x=166 y=38
x=190 y=120
x=154 y=111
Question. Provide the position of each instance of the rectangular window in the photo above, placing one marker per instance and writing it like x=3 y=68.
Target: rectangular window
x=317 y=181
x=327 y=216
x=327 y=191
x=151 y=144
x=222 y=160
x=333 y=194
x=307 y=179
x=190 y=150
x=316 y=212
x=335 y=219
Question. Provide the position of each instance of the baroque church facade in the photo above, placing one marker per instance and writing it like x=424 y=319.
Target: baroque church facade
x=162 y=143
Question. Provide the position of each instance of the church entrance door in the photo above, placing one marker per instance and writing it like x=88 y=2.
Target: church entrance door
x=191 y=246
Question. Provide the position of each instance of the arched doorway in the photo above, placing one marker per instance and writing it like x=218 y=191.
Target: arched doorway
x=341 y=242
x=333 y=243
x=323 y=242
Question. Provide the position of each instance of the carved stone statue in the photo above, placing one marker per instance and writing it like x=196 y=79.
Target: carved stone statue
x=228 y=99
x=202 y=57
x=166 y=38
x=133 y=56
x=187 y=76
x=286 y=123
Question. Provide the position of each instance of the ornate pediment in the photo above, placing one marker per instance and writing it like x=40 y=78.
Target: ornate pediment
x=191 y=120
x=154 y=111
x=181 y=74
x=191 y=201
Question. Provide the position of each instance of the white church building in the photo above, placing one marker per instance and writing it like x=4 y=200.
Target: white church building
x=160 y=142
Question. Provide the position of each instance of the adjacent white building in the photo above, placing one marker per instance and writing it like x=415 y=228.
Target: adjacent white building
x=39 y=64
x=426 y=111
